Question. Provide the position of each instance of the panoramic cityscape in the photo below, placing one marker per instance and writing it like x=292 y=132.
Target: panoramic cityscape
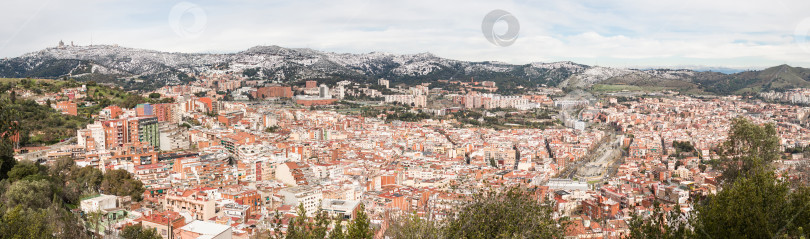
x=509 y=129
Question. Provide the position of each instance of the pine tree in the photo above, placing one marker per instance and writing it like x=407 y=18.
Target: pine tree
x=138 y=232
x=277 y=225
x=321 y=225
x=292 y=230
x=749 y=148
x=8 y=128
x=298 y=227
x=337 y=231
x=360 y=226
x=302 y=227
x=412 y=226
x=504 y=215
x=661 y=224
x=752 y=203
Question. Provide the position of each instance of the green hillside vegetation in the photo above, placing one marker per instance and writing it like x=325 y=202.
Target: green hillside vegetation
x=35 y=200
x=642 y=82
x=39 y=124
x=43 y=125
x=37 y=86
x=778 y=78
x=615 y=88
x=103 y=96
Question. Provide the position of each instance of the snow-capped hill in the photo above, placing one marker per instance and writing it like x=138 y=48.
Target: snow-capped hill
x=285 y=65
x=489 y=66
x=671 y=74
x=593 y=75
x=560 y=65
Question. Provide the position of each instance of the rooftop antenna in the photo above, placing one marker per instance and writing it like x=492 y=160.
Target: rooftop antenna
x=91 y=39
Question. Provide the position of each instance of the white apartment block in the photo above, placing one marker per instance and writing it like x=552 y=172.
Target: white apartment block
x=307 y=195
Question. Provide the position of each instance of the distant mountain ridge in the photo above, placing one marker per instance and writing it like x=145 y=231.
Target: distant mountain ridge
x=131 y=68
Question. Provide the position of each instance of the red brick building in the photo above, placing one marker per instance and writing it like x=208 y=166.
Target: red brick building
x=244 y=197
x=164 y=112
x=112 y=112
x=312 y=84
x=67 y=107
x=600 y=208
x=230 y=118
x=274 y=91
x=311 y=102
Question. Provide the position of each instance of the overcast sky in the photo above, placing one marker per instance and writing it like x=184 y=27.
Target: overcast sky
x=609 y=33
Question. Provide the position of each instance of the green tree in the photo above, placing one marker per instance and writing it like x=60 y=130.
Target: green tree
x=293 y=230
x=8 y=129
x=87 y=179
x=26 y=170
x=510 y=214
x=749 y=148
x=337 y=232
x=95 y=218
x=19 y=223
x=661 y=224
x=271 y=129
x=321 y=224
x=752 y=202
x=304 y=228
x=138 y=232
x=63 y=223
x=61 y=168
x=298 y=226
x=251 y=72
x=276 y=224
x=119 y=182
x=154 y=95
x=755 y=205
x=132 y=100
x=360 y=227
x=412 y=226
x=29 y=194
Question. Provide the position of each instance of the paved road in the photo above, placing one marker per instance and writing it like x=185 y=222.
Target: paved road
x=598 y=169
x=32 y=156
x=595 y=168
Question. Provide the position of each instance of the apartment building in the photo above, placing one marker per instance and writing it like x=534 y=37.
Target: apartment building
x=199 y=204
x=306 y=195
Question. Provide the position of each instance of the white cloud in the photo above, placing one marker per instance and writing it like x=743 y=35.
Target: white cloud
x=614 y=33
